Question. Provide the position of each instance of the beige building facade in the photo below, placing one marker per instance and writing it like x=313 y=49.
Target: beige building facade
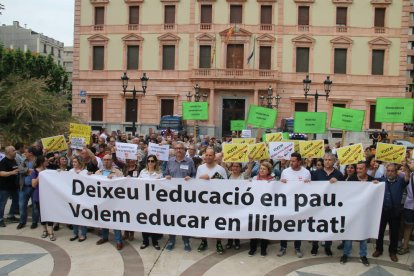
x=234 y=50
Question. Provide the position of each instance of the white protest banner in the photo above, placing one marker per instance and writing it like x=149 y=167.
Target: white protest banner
x=215 y=208
x=246 y=133
x=77 y=142
x=161 y=151
x=281 y=150
x=126 y=150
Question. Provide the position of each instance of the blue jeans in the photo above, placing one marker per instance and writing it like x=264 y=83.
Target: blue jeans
x=117 y=233
x=186 y=239
x=362 y=248
x=83 y=230
x=4 y=196
x=24 y=195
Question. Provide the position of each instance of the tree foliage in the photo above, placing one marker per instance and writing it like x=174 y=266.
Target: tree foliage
x=29 y=112
x=32 y=65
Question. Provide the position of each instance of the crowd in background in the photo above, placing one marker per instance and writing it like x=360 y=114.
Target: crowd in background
x=203 y=159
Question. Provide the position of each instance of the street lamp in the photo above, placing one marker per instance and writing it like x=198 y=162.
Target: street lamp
x=327 y=84
x=144 y=79
x=269 y=99
x=197 y=97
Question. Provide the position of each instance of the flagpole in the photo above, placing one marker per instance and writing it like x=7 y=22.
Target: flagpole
x=254 y=51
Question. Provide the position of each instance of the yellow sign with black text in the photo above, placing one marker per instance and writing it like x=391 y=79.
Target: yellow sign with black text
x=390 y=153
x=55 y=143
x=243 y=140
x=235 y=152
x=312 y=149
x=350 y=154
x=258 y=151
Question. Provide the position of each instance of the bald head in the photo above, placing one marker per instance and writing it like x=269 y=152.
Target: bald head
x=10 y=152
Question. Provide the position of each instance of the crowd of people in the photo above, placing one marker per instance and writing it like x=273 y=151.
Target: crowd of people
x=203 y=159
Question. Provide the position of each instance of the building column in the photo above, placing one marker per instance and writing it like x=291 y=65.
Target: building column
x=256 y=97
x=211 y=107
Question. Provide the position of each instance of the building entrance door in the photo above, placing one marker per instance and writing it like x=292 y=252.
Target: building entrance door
x=233 y=109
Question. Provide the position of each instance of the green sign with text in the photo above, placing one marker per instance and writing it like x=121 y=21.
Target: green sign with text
x=310 y=122
x=237 y=125
x=261 y=117
x=347 y=119
x=394 y=110
x=195 y=111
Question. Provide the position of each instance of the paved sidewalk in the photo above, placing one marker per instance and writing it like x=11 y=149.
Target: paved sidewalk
x=24 y=252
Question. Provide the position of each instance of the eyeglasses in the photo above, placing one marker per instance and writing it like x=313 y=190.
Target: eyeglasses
x=151 y=161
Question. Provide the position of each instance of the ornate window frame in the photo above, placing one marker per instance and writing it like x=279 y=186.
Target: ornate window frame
x=98 y=40
x=168 y=39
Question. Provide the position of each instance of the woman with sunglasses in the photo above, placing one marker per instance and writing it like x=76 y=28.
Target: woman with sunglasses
x=151 y=171
x=130 y=168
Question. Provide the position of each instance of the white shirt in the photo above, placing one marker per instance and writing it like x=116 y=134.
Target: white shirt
x=84 y=172
x=147 y=175
x=300 y=175
x=203 y=169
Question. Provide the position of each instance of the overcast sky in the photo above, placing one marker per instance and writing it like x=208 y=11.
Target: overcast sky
x=53 y=18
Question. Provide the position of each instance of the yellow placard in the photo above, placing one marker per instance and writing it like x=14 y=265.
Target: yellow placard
x=295 y=143
x=258 y=151
x=274 y=137
x=55 y=143
x=350 y=154
x=312 y=149
x=390 y=153
x=243 y=140
x=235 y=152
x=79 y=130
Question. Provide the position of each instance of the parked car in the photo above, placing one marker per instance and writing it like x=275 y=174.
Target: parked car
x=287 y=125
x=406 y=143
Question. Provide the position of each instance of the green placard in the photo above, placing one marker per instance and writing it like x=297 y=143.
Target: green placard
x=286 y=136
x=237 y=125
x=394 y=110
x=347 y=118
x=310 y=122
x=261 y=117
x=195 y=111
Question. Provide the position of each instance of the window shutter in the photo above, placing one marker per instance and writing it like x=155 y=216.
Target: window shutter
x=169 y=16
x=168 y=57
x=98 y=57
x=379 y=17
x=167 y=107
x=134 y=15
x=99 y=15
x=266 y=14
x=205 y=56
x=303 y=17
x=206 y=14
x=302 y=59
x=265 y=57
x=132 y=57
x=235 y=56
x=340 y=61
x=378 y=62
x=301 y=107
x=236 y=14
x=97 y=109
x=341 y=16
x=131 y=110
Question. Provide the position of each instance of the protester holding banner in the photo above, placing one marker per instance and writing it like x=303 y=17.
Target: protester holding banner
x=361 y=175
x=350 y=171
x=265 y=173
x=78 y=168
x=375 y=168
x=40 y=165
x=408 y=213
x=296 y=173
x=391 y=211
x=179 y=166
x=110 y=172
x=8 y=180
x=152 y=171
x=327 y=173
x=210 y=170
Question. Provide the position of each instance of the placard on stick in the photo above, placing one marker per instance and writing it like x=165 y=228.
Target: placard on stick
x=261 y=117
x=237 y=125
x=195 y=111
x=310 y=122
x=394 y=110
x=347 y=118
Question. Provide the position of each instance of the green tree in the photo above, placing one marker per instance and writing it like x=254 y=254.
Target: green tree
x=28 y=111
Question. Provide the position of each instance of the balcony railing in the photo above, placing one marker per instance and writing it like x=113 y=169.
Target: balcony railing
x=169 y=26
x=234 y=73
x=133 y=27
x=303 y=28
x=341 y=29
x=98 y=27
x=266 y=27
x=205 y=26
x=379 y=30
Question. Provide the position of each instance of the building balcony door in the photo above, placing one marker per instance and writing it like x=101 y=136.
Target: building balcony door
x=167 y=107
x=233 y=109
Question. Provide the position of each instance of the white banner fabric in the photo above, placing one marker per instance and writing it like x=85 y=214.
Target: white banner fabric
x=215 y=208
